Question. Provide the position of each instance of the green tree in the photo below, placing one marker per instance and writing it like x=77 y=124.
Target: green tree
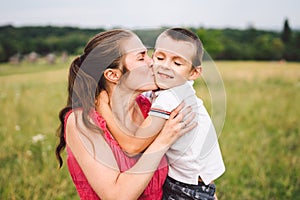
x=212 y=41
x=268 y=47
x=287 y=32
x=2 y=54
x=291 y=42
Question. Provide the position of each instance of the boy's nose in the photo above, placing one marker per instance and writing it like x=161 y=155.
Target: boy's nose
x=165 y=64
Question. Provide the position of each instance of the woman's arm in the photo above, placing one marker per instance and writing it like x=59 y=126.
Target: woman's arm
x=100 y=168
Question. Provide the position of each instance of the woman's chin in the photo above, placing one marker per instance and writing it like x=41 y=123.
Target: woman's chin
x=150 y=88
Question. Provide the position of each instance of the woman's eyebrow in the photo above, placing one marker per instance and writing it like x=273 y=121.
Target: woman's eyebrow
x=141 y=53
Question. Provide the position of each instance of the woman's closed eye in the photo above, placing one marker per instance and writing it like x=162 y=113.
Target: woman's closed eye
x=141 y=57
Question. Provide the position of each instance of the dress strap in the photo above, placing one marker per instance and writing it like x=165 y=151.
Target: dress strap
x=144 y=104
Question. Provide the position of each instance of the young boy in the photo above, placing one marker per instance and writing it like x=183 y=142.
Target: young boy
x=195 y=159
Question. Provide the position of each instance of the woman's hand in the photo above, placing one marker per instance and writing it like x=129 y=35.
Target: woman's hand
x=179 y=123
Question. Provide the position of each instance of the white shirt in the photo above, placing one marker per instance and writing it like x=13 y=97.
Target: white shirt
x=196 y=153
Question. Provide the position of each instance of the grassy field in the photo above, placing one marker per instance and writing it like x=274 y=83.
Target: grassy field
x=260 y=139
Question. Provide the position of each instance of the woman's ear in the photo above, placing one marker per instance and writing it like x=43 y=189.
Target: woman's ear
x=112 y=75
x=195 y=73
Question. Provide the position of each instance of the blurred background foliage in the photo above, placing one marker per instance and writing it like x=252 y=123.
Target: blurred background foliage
x=221 y=44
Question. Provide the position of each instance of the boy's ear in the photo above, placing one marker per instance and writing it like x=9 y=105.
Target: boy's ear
x=195 y=73
x=112 y=75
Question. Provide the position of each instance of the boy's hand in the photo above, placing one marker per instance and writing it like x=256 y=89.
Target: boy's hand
x=102 y=102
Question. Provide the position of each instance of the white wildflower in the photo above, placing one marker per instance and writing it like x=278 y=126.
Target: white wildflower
x=29 y=153
x=37 y=138
x=17 y=127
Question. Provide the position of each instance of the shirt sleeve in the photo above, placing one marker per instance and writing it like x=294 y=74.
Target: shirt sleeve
x=163 y=105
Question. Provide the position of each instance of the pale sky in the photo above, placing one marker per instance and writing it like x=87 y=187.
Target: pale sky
x=262 y=14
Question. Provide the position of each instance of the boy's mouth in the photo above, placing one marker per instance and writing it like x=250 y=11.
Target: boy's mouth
x=164 y=75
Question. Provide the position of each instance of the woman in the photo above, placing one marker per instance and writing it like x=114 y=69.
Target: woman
x=98 y=166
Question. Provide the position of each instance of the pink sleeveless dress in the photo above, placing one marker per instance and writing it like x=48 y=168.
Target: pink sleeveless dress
x=154 y=189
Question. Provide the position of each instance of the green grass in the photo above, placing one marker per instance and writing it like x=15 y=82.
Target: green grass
x=260 y=139
x=29 y=106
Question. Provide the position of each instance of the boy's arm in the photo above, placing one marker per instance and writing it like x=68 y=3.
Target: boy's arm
x=151 y=126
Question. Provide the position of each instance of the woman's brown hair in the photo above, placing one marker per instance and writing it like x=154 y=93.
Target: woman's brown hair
x=86 y=80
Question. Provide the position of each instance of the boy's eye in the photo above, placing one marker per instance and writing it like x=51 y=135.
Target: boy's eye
x=177 y=63
x=159 y=58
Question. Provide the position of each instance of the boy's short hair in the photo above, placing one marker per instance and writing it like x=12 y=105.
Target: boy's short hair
x=181 y=34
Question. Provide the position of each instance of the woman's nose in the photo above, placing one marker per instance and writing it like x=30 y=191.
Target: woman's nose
x=149 y=60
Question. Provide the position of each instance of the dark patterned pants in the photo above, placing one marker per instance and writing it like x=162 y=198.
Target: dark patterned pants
x=175 y=190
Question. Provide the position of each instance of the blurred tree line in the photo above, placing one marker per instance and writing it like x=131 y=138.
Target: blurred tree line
x=42 y=40
x=251 y=44
x=221 y=44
